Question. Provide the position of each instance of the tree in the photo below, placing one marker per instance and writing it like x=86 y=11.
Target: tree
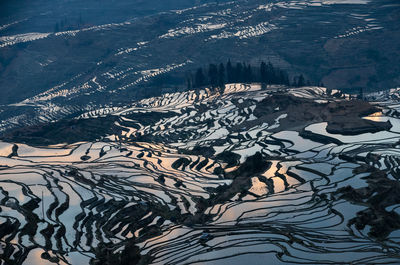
x=263 y=73
x=229 y=72
x=300 y=81
x=328 y=91
x=213 y=75
x=80 y=21
x=270 y=74
x=283 y=78
x=221 y=75
x=361 y=94
x=248 y=74
x=238 y=73
x=189 y=81
x=199 y=79
x=56 y=28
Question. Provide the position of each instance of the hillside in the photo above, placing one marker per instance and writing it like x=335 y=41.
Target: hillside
x=201 y=176
x=90 y=63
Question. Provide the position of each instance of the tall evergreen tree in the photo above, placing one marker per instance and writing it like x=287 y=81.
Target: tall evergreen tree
x=238 y=73
x=301 y=81
x=286 y=80
x=199 y=79
x=188 y=83
x=283 y=78
x=229 y=72
x=270 y=74
x=213 y=75
x=56 y=27
x=263 y=73
x=361 y=94
x=221 y=75
x=248 y=74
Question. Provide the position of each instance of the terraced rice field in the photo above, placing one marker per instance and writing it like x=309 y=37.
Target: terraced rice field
x=179 y=190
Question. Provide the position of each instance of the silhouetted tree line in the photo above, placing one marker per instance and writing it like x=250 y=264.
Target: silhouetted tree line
x=216 y=76
x=69 y=24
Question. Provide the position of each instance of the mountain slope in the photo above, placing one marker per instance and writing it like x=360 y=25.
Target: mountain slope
x=344 y=44
x=202 y=176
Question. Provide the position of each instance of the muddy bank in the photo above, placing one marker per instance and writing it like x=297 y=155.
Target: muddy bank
x=319 y=138
x=343 y=116
x=380 y=194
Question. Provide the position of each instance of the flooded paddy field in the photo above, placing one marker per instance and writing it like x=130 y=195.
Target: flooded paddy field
x=208 y=177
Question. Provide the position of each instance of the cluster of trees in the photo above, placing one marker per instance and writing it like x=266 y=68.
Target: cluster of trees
x=216 y=76
x=68 y=24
